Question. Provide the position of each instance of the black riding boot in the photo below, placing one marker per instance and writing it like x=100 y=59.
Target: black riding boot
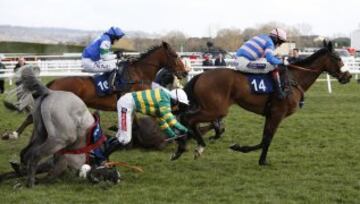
x=278 y=85
x=111 y=80
x=111 y=145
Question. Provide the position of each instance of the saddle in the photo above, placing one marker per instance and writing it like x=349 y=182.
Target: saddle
x=113 y=81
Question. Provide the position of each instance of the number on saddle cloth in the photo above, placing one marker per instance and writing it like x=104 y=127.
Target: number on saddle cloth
x=260 y=83
x=101 y=83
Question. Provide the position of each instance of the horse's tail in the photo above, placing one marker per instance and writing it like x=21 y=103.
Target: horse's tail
x=32 y=84
x=189 y=90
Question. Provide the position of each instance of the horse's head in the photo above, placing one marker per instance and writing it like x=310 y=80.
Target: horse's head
x=173 y=62
x=333 y=64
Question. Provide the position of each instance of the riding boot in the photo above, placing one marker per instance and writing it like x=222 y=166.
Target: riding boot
x=279 y=88
x=111 y=80
x=111 y=145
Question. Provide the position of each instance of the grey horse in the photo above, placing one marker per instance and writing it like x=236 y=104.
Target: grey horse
x=61 y=121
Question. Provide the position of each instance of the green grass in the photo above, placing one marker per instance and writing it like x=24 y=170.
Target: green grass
x=314 y=158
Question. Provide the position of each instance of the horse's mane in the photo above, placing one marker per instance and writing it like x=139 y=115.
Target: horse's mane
x=133 y=60
x=312 y=58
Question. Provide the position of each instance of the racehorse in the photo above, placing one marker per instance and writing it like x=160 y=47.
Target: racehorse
x=140 y=72
x=61 y=122
x=215 y=91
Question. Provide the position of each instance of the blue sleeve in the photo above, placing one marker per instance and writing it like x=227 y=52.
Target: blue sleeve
x=269 y=54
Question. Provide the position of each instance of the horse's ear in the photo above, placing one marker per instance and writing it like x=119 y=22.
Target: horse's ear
x=325 y=43
x=165 y=45
x=330 y=46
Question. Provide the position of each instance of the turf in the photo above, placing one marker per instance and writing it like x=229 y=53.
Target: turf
x=314 y=158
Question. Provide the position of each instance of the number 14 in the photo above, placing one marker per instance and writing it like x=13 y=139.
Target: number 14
x=258 y=85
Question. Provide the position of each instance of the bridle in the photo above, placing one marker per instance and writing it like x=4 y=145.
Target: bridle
x=172 y=56
x=304 y=69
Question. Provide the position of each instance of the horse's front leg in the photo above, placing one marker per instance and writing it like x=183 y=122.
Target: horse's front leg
x=181 y=148
x=271 y=124
x=196 y=134
x=15 y=134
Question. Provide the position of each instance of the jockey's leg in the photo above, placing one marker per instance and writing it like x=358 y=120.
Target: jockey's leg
x=278 y=85
x=125 y=107
x=109 y=66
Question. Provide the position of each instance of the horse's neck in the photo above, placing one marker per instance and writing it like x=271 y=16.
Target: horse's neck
x=306 y=79
x=147 y=68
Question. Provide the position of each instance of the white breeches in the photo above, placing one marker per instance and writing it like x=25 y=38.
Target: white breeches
x=125 y=109
x=98 y=66
x=247 y=66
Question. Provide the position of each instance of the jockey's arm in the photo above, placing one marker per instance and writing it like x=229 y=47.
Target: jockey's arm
x=105 y=51
x=166 y=128
x=270 y=56
x=167 y=121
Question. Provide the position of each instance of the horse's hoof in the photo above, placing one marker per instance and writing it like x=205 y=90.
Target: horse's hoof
x=17 y=186
x=263 y=163
x=196 y=155
x=175 y=156
x=236 y=147
x=10 y=136
x=198 y=152
x=30 y=184
x=16 y=167
x=213 y=138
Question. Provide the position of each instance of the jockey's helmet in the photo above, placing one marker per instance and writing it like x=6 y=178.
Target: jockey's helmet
x=279 y=34
x=115 y=32
x=180 y=96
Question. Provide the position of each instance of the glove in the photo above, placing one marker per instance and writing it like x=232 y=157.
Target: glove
x=286 y=62
x=179 y=132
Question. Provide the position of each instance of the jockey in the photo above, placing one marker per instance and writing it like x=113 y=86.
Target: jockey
x=97 y=56
x=157 y=102
x=258 y=52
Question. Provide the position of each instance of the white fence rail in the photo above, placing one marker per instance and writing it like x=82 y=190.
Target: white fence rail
x=72 y=67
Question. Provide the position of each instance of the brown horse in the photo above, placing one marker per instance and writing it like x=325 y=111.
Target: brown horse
x=216 y=90
x=141 y=71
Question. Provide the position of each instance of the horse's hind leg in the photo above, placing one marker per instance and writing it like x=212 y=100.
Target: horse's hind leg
x=218 y=128
x=55 y=167
x=34 y=155
x=15 y=134
x=246 y=149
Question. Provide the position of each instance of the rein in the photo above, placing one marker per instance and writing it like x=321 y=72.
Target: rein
x=123 y=164
x=88 y=147
x=303 y=69
x=130 y=81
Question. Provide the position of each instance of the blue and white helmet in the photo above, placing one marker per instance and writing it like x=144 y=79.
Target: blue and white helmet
x=115 y=32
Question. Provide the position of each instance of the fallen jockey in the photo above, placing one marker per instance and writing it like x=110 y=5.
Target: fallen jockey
x=157 y=102
x=257 y=56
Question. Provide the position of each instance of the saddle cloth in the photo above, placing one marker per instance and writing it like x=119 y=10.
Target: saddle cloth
x=260 y=83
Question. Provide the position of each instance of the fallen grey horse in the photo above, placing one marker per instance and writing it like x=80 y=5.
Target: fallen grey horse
x=61 y=122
